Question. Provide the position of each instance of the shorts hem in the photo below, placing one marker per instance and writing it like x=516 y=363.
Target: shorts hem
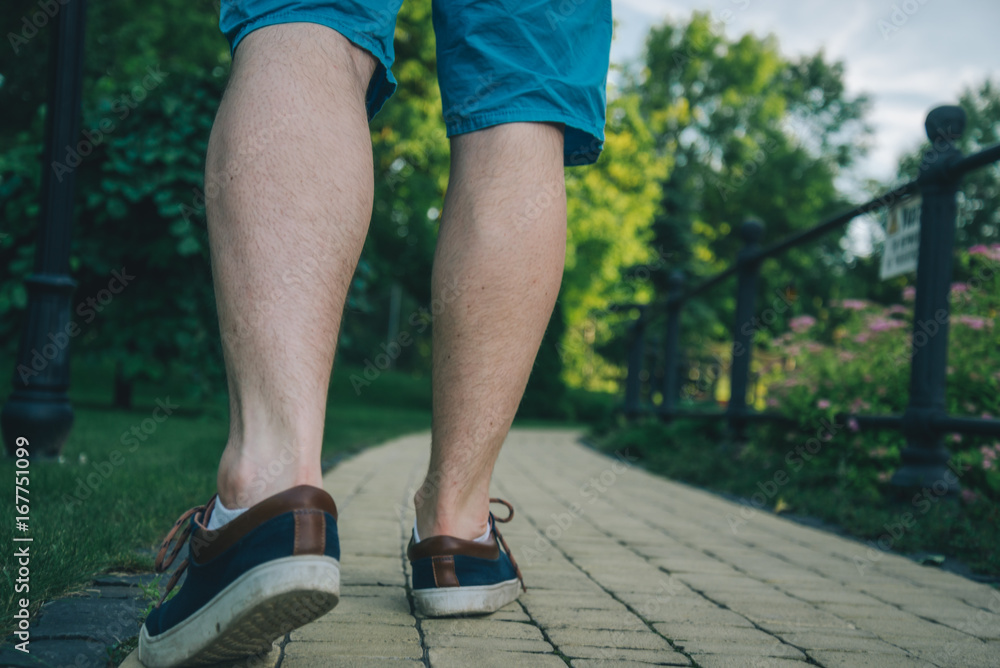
x=583 y=143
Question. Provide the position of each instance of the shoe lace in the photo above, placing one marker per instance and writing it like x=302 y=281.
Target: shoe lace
x=164 y=560
x=493 y=520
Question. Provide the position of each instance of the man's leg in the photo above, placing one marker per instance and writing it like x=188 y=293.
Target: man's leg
x=289 y=182
x=497 y=271
x=291 y=154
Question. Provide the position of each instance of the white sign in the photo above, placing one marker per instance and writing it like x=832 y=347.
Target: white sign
x=902 y=239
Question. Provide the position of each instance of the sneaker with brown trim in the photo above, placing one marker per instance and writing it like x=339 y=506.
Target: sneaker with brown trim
x=456 y=577
x=274 y=568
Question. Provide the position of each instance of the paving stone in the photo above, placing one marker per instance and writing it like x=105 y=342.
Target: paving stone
x=564 y=600
x=733 y=634
x=486 y=644
x=478 y=628
x=463 y=658
x=347 y=662
x=342 y=633
x=698 y=647
x=724 y=661
x=268 y=660
x=966 y=655
x=615 y=620
x=102 y=620
x=54 y=653
x=612 y=655
x=623 y=639
x=830 y=659
x=859 y=641
x=353 y=646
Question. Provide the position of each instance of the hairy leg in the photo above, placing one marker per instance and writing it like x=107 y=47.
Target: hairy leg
x=497 y=270
x=289 y=188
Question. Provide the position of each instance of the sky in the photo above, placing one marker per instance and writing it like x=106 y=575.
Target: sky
x=908 y=56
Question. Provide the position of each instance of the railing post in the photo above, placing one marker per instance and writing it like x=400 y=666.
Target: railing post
x=925 y=458
x=748 y=272
x=38 y=408
x=670 y=362
x=636 y=345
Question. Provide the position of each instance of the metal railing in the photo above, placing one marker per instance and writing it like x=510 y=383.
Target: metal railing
x=925 y=420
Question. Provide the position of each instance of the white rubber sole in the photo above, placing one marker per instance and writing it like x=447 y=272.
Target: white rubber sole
x=246 y=617
x=461 y=601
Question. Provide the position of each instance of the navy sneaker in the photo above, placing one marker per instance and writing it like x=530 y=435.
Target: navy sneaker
x=455 y=577
x=270 y=570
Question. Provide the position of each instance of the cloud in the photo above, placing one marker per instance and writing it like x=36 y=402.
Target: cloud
x=929 y=57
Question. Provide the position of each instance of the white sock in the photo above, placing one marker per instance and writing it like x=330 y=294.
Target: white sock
x=485 y=538
x=222 y=515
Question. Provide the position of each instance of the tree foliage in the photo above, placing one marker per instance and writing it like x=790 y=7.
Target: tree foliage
x=754 y=134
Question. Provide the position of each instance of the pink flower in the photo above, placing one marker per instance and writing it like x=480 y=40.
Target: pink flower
x=956 y=438
x=992 y=252
x=909 y=293
x=851 y=304
x=897 y=309
x=861 y=338
x=973 y=321
x=987 y=464
x=884 y=476
x=823 y=404
x=859 y=404
x=772 y=402
x=959 y=288
x=969 y=496
x=881 y=324
x=802 y=323
x=852 y=424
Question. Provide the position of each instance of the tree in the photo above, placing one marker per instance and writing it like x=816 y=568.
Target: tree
x=753 y=134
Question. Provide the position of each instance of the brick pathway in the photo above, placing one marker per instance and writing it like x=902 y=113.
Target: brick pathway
x=627 y=569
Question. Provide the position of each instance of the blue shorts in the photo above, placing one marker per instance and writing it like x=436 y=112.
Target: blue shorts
x=498 y=61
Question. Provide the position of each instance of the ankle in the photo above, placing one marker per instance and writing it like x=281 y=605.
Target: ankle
x=245 y=480
x=435 y=517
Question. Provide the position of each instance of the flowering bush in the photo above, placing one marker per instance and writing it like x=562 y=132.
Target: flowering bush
x=867 y=370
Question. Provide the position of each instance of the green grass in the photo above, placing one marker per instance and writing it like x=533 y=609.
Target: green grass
x=139 y=489
x=699 y=453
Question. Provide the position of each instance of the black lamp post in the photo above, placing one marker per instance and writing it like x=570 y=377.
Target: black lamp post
x=39 y=407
